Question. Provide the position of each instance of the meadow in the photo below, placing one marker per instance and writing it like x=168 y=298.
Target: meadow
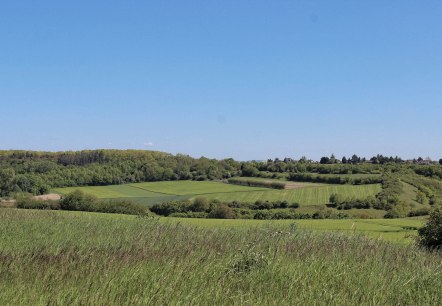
x=395 y=230
x=153 y=192
x=78 y=258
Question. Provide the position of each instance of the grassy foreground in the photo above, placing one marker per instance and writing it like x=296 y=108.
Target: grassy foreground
x=50 y=257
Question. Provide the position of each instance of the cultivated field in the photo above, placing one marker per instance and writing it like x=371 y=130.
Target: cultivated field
x=155 y=192
x=78 y=258
x=395 y=230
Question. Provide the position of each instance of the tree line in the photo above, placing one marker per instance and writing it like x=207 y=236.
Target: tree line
x=261 y=210
x=38 y=172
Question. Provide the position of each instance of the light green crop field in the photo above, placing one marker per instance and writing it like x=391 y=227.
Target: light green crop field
x=111 y=192
x=79 y=258
x=194 y=187
x=154 y=192
x=394 y=230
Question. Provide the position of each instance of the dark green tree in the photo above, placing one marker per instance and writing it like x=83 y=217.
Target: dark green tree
x=222 y=211
x=324 y=160
x=200 y=204
x=7 y=181
x=430 y=236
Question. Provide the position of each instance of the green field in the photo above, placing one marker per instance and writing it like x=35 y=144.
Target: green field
x=193 y=188
x=79 y=258
x=395 y=230
x=154 y=192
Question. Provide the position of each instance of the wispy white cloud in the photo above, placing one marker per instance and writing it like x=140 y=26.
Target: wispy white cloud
x=148 y=144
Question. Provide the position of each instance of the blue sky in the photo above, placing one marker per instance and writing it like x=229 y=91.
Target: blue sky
x=243 y=79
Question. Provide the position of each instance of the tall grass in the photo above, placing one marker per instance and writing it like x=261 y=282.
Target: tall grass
x=73 y=258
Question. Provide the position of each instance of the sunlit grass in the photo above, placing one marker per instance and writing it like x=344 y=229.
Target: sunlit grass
x=74 y=258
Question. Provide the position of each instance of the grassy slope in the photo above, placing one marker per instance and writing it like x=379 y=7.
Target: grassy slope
x=70 y=258
x=409 y=194
x=155 y=191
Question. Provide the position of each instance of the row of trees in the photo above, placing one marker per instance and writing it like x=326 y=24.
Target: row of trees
x=256 y=183
x=262 y=210
x=333 y=179
x=38 y=172
x=378 y=159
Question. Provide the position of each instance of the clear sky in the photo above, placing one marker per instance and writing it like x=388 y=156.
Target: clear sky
x=243 y=79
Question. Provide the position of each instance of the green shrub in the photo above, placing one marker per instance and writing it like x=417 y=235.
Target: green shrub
x=170 y=207
x=200 y=204
x=27 y=202
x=78 y=200
x=400 y=210
x=243 y=213
x=340 y=202
x=190 y=214
x=222 y=211
x=117 y=206
x=419 y=212
x=430 y=236
x=327 y=213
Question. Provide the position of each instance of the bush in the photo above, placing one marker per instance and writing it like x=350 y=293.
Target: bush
x=263 y=215
x=430 y=236
x=340 y=202
x=119 y=207
x=400 y=210
x=170 y=207
x=200 y=204
x=27 y=202
x=78 y=200
x=241 y=213
x=222 y=211
x=419 y=212
x=190 y=214
x=327 y=213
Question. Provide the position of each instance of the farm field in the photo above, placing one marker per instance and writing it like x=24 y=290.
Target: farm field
x=193 y=188
x=395 y=230
x=78 y=258
x=154 y=192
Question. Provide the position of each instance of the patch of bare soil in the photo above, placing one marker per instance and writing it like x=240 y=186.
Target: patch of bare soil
x=7 y=203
